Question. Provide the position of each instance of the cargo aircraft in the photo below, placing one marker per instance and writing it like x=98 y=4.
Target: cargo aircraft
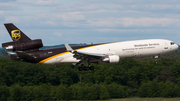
x=28 y=50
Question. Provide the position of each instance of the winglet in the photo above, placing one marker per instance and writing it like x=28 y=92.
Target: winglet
x=68 y=48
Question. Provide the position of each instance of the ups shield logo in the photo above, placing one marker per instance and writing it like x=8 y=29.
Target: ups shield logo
x=16 y=35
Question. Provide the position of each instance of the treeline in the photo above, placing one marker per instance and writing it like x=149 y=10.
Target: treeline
x=79 y=91
x=128 y=78
x=3 y=52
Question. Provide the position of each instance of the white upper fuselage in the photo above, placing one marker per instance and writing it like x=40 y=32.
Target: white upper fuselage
x=126 y=49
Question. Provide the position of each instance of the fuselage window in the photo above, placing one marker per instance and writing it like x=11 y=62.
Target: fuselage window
x=172 y=43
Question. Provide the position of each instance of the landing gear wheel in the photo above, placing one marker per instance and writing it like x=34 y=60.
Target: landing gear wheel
x=87 y=68
x=80 y=68
x=156 y=62
x=92 y=68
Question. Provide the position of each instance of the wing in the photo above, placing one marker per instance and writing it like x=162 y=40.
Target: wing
x=90 y=54
x=84 y=56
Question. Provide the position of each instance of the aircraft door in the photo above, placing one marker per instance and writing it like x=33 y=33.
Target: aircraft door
x=166 y=47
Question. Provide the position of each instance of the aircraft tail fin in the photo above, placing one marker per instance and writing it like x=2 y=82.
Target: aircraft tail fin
x=20 y=42
x=15 y=33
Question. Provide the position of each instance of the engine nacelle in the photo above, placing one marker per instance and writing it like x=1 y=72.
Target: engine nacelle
x=22 y=46
x=112 y=59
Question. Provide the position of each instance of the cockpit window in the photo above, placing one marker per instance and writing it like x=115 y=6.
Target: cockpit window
x=172 y=43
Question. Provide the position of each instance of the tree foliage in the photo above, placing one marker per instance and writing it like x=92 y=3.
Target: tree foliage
x=20 y=81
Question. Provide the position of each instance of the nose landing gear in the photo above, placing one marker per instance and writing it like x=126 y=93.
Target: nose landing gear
x=156 y=57
x=156 y=62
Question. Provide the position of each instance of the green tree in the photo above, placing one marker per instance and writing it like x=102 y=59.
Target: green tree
x=116 y=91
x=37 y=92
x=63 y=93
x=104 y=94
x=176 y=90
x=4 y=93
x=144 y=89
x=16 y=93
x=168 y=90
x=77 y=91
x=92 y=93
x=150 y=89
x=166 y=75
x=27 y=91
x=175 y=68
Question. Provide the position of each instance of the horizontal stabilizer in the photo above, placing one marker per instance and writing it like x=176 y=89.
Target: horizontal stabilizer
x=11 y=53
x=24 y=56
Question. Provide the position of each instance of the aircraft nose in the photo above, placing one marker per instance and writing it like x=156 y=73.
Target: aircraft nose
x=176 y=47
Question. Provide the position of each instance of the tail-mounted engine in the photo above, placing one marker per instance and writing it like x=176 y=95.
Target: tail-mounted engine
x=23 y=46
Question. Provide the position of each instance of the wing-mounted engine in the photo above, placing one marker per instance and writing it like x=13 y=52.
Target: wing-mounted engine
x=111 y=59
x=23 y=46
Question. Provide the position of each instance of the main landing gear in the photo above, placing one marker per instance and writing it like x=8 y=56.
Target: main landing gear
x=86 y=68
x=156 y=57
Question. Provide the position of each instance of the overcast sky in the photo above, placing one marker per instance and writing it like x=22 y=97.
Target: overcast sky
x=92 y=21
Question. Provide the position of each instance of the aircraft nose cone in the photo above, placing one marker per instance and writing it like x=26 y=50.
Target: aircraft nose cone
x=178 y=47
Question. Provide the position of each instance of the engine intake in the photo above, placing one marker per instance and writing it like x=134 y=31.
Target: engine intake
x=23 y=46
x=111 y=59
